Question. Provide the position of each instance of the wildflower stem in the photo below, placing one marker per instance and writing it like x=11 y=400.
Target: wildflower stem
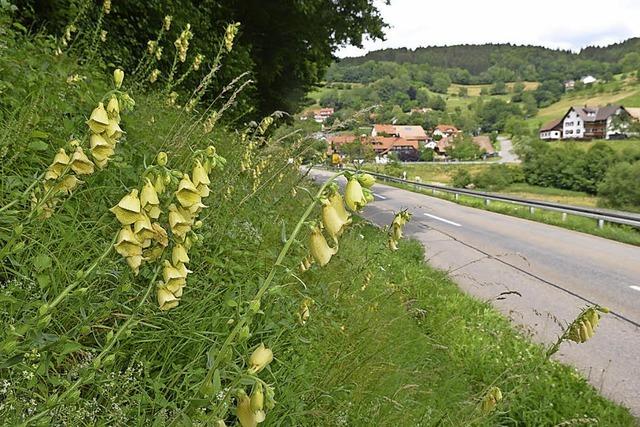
x=270 y=277
x=24 y=193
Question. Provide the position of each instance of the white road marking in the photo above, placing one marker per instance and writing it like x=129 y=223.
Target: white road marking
x=442 y=219
x=379 y=196
x=635 y=288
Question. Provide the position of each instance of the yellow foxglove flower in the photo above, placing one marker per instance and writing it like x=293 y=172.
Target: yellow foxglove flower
x=259 y=359
x=353 y=195
x=491 y=399
x=143 y=228
x=160 y=236
x=393 y=244
x=101 y=149
x=200 y=175
x=148 y=195
x=113 y=108
x=127 y=211
x=331 y=219
x=159 y=184
x=396 y=232
x=118 y=77
x=99 y=119
x=68 y=184
x=134 y=263
x=166 y=23
x=304 y=313
x=187 y=193
x=166 y=299
x=174 y=278
x=366 y=180
x=245 y=415
x=113 y=130
x=153 y=77
x=179 y=255
x=180 y=226
x=257 y=398
x=57 y=167
x=80 y=163
x=153 y=253
x=338 y=205
x=127 y=244
x=204 y=190
x=320 y=250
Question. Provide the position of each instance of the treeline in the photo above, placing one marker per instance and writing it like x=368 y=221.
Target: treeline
x=488 y=63
x=600 y=170
x=286 y=45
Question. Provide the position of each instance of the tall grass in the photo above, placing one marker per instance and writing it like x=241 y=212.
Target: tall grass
x=83 y=341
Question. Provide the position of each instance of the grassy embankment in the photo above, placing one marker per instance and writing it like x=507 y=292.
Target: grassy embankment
x=388 y=342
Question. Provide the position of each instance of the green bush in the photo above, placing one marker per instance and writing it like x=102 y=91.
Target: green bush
x=498 y=177
x=621 y=186
x=461 y=178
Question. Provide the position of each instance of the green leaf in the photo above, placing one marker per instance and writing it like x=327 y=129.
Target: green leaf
x=42 y=262
x=39 y=134
x=70 y=347
x=38 y=145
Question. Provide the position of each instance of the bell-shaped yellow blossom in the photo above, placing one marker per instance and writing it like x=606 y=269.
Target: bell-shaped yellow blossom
x=396 y=232
x=175 y=277
x=134 y=263
x=353 y=195
x=127 y=244
x=68 y=184
x=200 y=175
x=393 y=244
x=160 y=235
x=179 y=255
x=338 y=205
x=259 y=359
x=257 y=398
x=80 y=163
x=180 y=225
x=118 y=77
x=159 y=184
x=127 y=211
x=187 y=193
x=101 y=148
x=491 y=399
x=320 y=250
x=113 y=130
x=366 y=180
x=143 y=228
x=148 y=195
x=153 y=253
x=99 y=119
x=331 y=220
x=166 y=299
x=246 y=416
x=204 y=190
x=113 y=108
x=57 y=167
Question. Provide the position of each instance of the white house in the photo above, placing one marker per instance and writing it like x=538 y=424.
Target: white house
x=587 y=80
x=573 y=123
x=592 y=122
x=551 y=130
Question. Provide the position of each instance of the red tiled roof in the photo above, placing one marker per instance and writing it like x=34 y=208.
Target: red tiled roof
x=411 y=132
x=447 y=128
x=342 y=139
x=383 y=144
x=388 y=129
x=484 y=142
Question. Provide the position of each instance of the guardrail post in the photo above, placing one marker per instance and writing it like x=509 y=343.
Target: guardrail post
x=601 y=223
x=487 y=202
x=457 y=196
x=564 y=216
x=532 y=210
x=433 y=192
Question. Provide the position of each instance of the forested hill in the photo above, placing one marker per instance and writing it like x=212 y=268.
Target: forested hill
x=506 y=62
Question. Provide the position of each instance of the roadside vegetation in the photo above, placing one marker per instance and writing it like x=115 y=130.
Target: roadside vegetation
x=164 y=264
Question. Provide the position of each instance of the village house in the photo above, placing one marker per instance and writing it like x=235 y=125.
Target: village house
x=587 y=80
x=321 y=115
x=382 y=145
x=569 y=85
x=446 y=131
x=551 y=130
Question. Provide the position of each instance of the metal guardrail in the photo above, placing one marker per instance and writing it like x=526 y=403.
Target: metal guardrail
x=600 y=215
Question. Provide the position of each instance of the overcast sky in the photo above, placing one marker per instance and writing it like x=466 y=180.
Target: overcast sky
x=553 y=23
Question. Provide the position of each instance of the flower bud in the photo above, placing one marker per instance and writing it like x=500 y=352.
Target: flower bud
x=161 y=158
x=366 y=180
x=353 y=195
x=118 y=77
x=257 y=398
x=331 y=219
x=259 y=359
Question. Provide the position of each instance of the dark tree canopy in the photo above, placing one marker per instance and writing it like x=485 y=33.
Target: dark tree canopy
x=287 y=44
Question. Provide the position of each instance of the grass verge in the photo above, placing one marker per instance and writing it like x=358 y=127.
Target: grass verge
x=620 y=233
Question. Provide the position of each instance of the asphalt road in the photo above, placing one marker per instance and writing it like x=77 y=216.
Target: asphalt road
x=507 y=154
x=556 y=271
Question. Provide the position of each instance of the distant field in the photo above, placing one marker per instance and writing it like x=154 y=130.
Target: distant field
x=474 y=90
x=617 y=145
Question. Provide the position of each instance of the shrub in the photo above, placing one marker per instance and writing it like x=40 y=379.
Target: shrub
x=620 y=186
x=461 y=178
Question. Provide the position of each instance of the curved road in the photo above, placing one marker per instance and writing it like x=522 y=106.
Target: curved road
x=556 y=271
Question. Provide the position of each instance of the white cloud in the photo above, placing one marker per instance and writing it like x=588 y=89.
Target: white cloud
x=552 y=23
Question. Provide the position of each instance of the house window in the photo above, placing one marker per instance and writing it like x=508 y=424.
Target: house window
x=578 y=131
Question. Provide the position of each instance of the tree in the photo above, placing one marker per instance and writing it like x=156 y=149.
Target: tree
x=464 y=149
x=499 y=88
x=286 y=44
x=620 y=186
x=441 y=83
